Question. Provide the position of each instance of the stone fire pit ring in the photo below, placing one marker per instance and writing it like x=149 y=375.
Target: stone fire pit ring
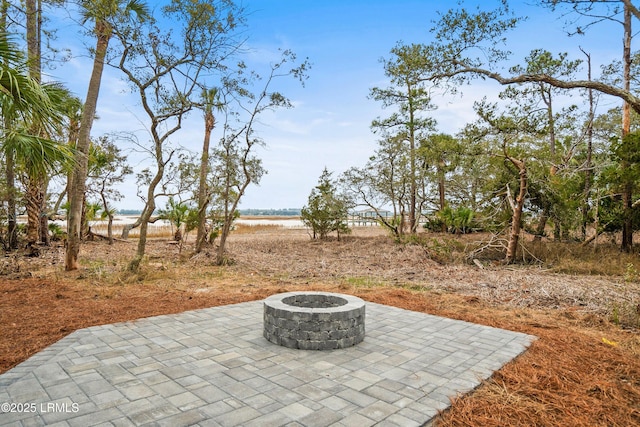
x=314 y=320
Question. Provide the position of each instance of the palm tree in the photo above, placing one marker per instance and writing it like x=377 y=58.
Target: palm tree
x=211 y=101
x=27 y=105
x=103 y=13
x=22 y=97
x=39 y=162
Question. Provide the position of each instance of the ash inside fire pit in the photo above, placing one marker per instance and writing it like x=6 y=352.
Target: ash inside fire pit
x=314 y=300
x=314 y=320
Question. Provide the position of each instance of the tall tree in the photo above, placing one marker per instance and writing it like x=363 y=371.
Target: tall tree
x=621 y=12
x=72 y=112
x=411 y=97
x=28 y=105
x=382 y=184
x=620 y=178
x=450 y=60
x=238 y=165
x=441 y=151
x=33 y=10
x=539 y=100
x=107 y=167
x=541 y=61
x=104 y=14
x=627 y=230
x=512 y=132
x=210 y=102
x=588 y=164
x=166 y=69
x=11 y=241
x=36 y=185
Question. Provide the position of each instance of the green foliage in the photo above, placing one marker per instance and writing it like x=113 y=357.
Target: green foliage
x=191 y=220
x=627 y=313
x=107 y=167
x=359 y=282
x=177 y=213
x=626 y=151
x=409 y=98
x=56 y=232
x=92 y=211
x=29 y=110
x=458 y=220
x=216 y=222
x=630 y=273
x=623 y=173
x=326 y=211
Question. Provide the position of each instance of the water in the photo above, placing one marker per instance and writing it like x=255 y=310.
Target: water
x=280 y=222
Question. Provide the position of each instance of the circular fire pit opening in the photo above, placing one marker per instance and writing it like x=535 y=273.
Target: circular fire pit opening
x=314 y=320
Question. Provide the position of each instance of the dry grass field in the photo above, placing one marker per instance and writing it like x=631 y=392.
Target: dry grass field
x=582 y=304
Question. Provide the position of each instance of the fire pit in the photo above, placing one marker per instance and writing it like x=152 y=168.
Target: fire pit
x=314 y=320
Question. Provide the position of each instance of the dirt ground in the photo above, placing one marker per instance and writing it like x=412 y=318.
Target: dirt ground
x=584 y=369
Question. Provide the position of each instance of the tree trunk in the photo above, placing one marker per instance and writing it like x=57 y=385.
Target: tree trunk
x=516 y=218
x=588 y=173
x=627 y=228
x=134 y=264
x=150 y=206
x=34 y=24
x=110 y=229
x=203 y=196
x=596 y=220
x=77 y=189
x=226 y=226
x=441 y=193
x=542 y=224
x=220 y=257
x=12 y=224
x=44 y=215
x=105 y=206
x=4 y=14
x=34 y=204
x=413 y=215
x=44 y=224
x=35 y=195
x=230 y=210
x=84 y=224
x=547 y=99
x=127 y=229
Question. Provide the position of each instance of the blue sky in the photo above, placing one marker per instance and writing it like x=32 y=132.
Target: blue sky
x=329 y=126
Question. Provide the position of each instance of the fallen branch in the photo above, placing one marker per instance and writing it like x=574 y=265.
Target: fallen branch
x=478 y=263
x=103 y=237
x=592 y=238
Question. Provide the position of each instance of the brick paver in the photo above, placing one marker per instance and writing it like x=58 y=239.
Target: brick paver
x=213 y=367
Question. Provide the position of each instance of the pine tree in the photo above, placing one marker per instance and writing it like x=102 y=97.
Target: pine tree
x=326 y=210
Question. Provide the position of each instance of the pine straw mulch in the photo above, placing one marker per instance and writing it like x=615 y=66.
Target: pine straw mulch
x=582 y=371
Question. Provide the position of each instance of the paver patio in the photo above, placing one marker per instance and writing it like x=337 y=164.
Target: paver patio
x=212 y=367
